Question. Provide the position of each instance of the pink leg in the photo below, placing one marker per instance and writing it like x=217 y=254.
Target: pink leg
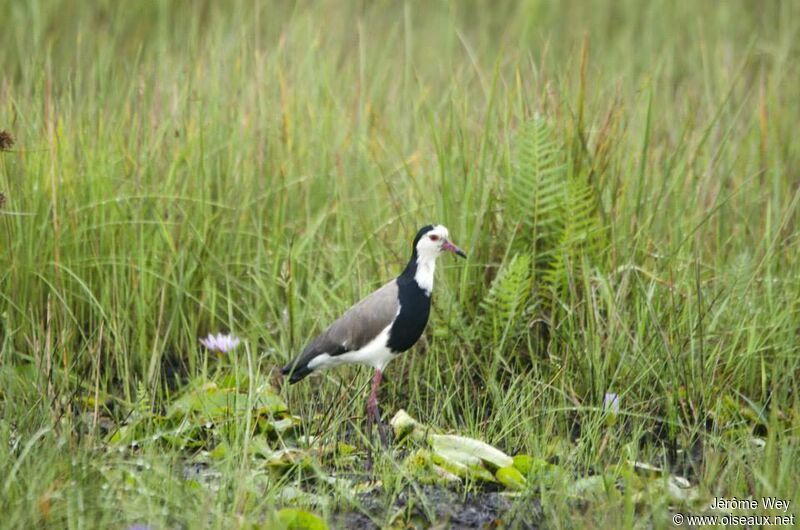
x=373 y=414
x=372 y=403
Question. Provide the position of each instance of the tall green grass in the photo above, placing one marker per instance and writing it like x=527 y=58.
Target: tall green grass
x=186 y=167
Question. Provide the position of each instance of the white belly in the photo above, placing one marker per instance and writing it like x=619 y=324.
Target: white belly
x=374 y=354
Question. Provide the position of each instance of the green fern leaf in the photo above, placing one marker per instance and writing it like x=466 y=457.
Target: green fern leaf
x=506 y=302
x=555 y=212
x=537 y=190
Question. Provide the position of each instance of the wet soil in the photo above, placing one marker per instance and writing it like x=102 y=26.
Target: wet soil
x=441 y=507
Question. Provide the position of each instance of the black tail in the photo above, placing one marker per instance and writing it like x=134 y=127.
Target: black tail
x=296 y=373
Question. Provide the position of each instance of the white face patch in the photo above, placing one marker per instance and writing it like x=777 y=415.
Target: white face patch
x=430 y=245
x=428 y=249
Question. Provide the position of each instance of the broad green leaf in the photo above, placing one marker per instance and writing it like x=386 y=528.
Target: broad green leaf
x=471 y=450
x=296 y=519
x=453 y=463
x=510 y=477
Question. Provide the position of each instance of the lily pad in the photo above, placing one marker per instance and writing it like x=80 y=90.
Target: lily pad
x=447 y=457
x=462 y=465
x=534 y=468
x=510 y=477
x=470 y=451
x=405 y=426
x=420 y=464
x=296 y=519
x=210 y=402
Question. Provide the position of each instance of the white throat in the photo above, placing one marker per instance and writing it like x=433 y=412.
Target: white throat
x=426 y=265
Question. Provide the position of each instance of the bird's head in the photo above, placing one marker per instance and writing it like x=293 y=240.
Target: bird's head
x=432 y=240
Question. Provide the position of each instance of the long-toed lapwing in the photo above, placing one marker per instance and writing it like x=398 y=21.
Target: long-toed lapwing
x=384 y=324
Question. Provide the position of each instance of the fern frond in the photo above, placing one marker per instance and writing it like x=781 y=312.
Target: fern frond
x=142 y=405
x=554 y=210
x=507 y=299
x=537 y=189
x=581 y=237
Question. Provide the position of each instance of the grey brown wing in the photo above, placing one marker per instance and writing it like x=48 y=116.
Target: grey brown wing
x=352 y=331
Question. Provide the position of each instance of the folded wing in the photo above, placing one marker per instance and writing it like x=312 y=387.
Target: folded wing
x=351 y=332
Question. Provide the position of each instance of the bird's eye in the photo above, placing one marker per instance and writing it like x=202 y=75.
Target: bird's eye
x=434 y=237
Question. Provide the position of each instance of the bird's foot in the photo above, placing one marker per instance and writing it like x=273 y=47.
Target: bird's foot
x=374 y=417
x=371 y=445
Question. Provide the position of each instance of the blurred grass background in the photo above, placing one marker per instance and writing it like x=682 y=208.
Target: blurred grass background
x=185 y=167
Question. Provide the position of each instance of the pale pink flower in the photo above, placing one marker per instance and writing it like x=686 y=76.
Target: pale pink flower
x=221 y=342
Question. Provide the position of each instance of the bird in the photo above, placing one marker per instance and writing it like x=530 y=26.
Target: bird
x=383 y=325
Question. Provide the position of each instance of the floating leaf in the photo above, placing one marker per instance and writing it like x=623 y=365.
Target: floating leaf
x=510 y=477
x=213 y=403
x=420 y=464
x=537 y=469
x=470 y=450
x=451 y=457
x=296 y=519
x=523 y=463
x=462 y=465
x=404 y=426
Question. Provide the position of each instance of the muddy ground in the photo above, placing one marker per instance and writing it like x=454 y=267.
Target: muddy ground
x=450 y=509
